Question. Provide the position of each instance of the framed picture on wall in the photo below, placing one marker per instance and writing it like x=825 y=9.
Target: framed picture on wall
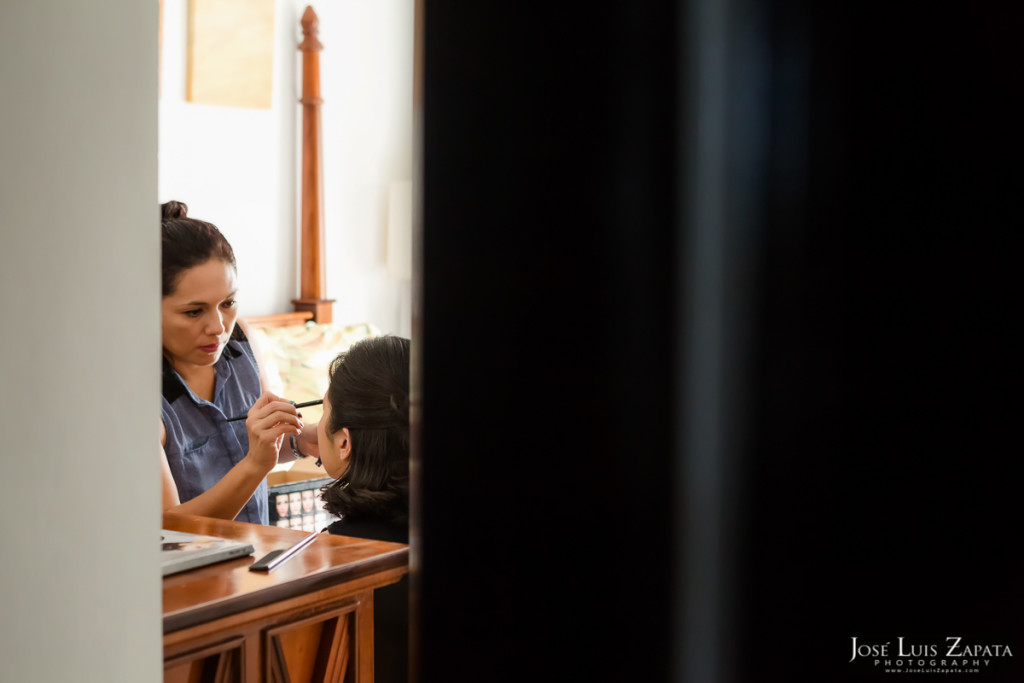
x=230 y=52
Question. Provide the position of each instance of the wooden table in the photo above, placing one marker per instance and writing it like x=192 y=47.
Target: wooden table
x=311 y=619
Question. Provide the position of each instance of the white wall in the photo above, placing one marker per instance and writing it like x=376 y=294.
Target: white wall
x=238 y=168
x=79 y=301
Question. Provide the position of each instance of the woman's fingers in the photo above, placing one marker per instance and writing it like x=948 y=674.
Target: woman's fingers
x=275 y=409
x=265 y=399
x=287 y=423
x=269 y=402
x=270 y=409
x=269 y=419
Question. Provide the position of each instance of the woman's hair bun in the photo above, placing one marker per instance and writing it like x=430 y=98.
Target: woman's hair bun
x=173 y=209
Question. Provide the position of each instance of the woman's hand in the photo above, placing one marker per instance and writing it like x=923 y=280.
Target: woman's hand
x=308 y=441
x=270 y=419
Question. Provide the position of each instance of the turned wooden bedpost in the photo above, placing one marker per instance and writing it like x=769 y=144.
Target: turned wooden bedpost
x=311 y=238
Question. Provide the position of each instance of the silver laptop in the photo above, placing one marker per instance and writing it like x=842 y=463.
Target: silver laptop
x=182 y=550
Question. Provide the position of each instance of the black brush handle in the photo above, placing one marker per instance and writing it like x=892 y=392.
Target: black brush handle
x=275 y=558
x=317 y=402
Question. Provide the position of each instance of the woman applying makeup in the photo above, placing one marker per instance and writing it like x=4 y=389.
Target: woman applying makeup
x=210 y=466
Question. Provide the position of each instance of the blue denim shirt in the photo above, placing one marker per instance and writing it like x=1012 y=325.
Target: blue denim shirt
x=201 y=445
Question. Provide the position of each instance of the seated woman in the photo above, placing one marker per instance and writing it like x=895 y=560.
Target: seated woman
x=210 y=466
x=364 y=445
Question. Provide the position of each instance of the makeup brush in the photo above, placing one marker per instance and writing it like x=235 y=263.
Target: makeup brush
x=317 y=402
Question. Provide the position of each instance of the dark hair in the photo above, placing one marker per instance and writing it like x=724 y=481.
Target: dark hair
x=186 y=243
x=369 y=394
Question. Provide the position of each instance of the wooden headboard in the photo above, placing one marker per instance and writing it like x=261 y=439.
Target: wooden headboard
x=313 y=287
x=279 y=319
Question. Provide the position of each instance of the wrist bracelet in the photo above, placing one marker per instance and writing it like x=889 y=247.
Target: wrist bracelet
x=296 y=452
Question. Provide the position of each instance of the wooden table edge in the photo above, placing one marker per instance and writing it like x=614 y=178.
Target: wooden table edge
x=192 y=616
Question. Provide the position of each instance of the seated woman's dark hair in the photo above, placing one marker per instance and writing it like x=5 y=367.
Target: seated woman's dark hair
x=187 y=242
x=369 y=394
